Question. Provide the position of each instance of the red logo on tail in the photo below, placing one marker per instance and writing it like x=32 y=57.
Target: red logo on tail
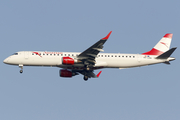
x=164 y=44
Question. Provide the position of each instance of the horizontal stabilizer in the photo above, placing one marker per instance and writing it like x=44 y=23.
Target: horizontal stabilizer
x=167 y=62
x=167 y=54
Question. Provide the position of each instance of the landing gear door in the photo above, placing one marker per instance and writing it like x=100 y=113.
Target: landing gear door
x=26 y=55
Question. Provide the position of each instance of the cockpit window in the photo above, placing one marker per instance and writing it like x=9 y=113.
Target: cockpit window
x=15 y=54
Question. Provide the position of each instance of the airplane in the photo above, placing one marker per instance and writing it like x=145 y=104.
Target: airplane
x=75 y=63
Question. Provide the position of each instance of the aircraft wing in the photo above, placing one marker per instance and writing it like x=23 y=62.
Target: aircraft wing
x=90 y=74
x=89 y=55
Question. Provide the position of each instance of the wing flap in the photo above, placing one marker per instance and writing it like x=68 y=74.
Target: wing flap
x=101 y=50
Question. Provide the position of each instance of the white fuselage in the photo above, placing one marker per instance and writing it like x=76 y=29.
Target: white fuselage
x=103 y=60
x=74 y=63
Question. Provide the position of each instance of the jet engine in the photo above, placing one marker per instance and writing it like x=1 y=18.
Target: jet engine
x=68 y=61
x=66 y=73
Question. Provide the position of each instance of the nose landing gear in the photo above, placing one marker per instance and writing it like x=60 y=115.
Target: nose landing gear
x=21 y=66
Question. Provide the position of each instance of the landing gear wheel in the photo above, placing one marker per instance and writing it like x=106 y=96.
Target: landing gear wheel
x=21 y=71
x=21 y=66
x=85 y=78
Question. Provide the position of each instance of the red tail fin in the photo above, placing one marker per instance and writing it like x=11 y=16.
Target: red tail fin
x=162 y=46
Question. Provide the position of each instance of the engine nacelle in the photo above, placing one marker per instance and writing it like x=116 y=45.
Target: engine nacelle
x=65 y=73
x=67 y=61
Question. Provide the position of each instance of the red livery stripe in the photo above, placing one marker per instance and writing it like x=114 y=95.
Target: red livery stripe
x=153 y=52
x=37 y=53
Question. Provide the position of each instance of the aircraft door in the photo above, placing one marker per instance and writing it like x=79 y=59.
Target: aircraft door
x=26 y=55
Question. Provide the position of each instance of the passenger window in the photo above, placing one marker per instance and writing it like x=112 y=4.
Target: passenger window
x=101 y=55
x=112 y=56
x=115 y=56
x=119 y=56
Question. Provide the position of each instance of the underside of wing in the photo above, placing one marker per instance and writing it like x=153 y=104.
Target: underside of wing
x=90 y=74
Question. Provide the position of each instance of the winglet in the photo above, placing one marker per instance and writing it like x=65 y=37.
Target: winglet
x=98 y=74
x=105 y=38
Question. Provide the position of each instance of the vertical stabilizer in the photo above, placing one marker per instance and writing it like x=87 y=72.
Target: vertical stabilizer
x=162 y=46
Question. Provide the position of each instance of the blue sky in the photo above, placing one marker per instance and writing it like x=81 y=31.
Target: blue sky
x=150 y=92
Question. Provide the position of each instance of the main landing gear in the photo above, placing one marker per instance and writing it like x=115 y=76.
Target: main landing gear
x=85 y=78
x=86 y=67
x=21 y=66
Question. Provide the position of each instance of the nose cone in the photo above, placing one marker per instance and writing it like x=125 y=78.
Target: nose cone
x=6 y=61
